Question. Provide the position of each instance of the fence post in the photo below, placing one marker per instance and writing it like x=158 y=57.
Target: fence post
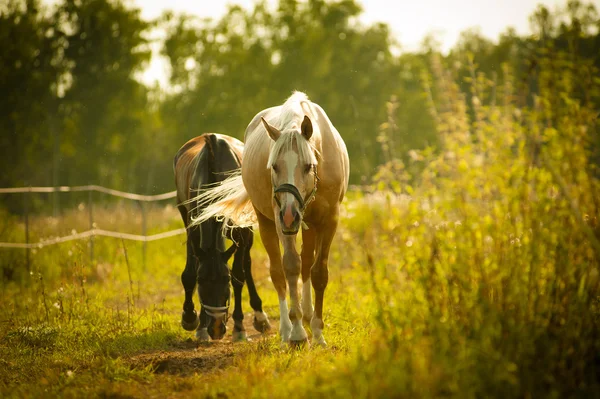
x=91 y=217
x=145 y=243
x=27 y=250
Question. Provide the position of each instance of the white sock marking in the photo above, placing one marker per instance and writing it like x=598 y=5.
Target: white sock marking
x=285 y=325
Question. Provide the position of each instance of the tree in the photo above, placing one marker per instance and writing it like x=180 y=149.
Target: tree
x=28 y=83
x=251 y=60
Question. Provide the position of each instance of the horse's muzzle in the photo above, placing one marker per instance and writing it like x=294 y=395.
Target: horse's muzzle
x=290 y=220
x=216 y=329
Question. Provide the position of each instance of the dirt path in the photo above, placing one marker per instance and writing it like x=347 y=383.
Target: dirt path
x=189 y=356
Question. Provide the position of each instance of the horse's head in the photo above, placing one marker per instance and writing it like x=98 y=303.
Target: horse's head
x=214 y=291
x=293 y=166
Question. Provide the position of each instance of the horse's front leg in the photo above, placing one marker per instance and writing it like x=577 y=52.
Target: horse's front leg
x=237 y=281
x=270 y=239
x=292 y=266
x=201 y=332
x=189 y=317
x=320 y=276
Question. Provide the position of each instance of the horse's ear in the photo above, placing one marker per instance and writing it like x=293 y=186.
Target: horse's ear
x=306 y=128
x=274 y=133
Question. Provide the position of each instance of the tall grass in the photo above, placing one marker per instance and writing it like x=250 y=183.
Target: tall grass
x=471 y=271
x=491 y=271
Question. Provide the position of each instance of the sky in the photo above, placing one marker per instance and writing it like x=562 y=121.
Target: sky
x=410 y=20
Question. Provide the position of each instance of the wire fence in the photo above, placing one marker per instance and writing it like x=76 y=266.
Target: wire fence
x=100 y=189
x=92 y=232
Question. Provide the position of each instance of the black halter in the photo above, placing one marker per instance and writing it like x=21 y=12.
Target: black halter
x=290 y=188
x=217 y=311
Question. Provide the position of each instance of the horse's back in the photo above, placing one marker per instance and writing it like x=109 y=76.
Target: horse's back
x=199 y=164
x=185 y=161
x=205 y=160
x=334 y=154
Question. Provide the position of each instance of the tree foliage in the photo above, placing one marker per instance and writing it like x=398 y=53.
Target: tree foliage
x=74 y=113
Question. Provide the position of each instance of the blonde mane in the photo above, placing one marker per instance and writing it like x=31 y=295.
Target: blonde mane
x=289 y=122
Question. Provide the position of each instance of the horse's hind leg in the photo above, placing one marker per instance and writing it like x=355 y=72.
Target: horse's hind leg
x=237 y=281
x=189 y=318
x=308 y=258
x=320 y=276
x=261 y=320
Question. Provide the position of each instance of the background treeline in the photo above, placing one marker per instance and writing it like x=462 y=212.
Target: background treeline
x=72 y=111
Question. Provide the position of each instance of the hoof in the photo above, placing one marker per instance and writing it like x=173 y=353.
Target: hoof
x=189 y=320
x=262 y=326
x=239 y=336
x=319 y=341
x=299 y=344
x=202 y=335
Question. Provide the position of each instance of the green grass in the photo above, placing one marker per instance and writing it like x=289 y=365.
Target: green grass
x=471 y=271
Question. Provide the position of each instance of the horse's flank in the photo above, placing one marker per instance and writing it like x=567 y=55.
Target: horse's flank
x=192 y=178
x=185 y=165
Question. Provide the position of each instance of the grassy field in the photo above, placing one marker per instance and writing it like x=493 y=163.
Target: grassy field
x=75 y=328
x=470 y=271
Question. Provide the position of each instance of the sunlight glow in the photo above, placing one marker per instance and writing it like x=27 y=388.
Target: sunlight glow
x=410 y=21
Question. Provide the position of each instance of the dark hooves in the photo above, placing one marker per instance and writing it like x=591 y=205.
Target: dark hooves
x=261 y=326
x=239 y=336
x=189 y=320
x=299 y=344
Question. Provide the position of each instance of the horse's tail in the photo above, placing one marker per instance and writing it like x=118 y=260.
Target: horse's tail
x=227 y=201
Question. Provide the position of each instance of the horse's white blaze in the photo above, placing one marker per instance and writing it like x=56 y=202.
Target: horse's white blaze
x=307 y=307
x=317 y=331
x=291 y=160
x=285 y=325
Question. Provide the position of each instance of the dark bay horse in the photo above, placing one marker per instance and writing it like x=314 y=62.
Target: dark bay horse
x=201 y=163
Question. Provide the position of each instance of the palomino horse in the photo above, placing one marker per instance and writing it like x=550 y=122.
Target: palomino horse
x=200 y=163
x=294 y=174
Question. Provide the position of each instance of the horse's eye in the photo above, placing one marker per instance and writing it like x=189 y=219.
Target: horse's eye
x=275 y=168
x=307 y=168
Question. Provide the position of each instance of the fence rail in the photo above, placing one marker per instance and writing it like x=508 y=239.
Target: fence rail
x=92 y=232
x=100 y=189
